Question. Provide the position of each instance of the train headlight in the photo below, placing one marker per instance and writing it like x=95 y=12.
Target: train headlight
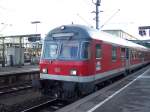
x=44 y=70
x=73 y=72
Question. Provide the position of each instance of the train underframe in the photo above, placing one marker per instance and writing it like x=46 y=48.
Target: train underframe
x=69 y=90
x=64 y=89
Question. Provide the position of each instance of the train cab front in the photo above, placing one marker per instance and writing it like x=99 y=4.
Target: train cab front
x=66 y=63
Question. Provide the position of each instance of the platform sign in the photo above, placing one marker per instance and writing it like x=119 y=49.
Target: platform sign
x=34 y=38
x=144 y=30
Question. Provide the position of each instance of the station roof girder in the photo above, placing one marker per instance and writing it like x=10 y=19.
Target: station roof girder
x=21 y=36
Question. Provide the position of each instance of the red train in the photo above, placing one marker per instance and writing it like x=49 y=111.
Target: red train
x=76 y=58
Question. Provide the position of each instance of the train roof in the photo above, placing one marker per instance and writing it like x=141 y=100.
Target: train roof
x=116 y=40
x=91 y=33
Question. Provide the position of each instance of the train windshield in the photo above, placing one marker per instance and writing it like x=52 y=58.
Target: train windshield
x=50 y=51
x=69 y=50
x=65 y=50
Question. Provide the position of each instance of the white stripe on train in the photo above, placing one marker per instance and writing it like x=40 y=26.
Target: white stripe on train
x=87 y=78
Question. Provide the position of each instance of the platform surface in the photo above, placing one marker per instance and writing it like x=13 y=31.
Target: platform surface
x=13 y=70
x=131 y=94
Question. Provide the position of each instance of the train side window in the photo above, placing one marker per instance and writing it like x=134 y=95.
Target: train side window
x=114 y=53
x=127 y=53
x=98 y=51
x=85 y=53
x=133 y=54
x=141 y=55
x=122 y=52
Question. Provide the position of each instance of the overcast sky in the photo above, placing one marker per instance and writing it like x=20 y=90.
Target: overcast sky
x=18 y=14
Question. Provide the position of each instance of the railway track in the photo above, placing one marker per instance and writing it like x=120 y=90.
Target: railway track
x=49 y=106
x=41 y=104
x=11 y=89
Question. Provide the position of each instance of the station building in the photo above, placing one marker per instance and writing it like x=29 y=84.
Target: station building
x=20 y=49
x=120 y=33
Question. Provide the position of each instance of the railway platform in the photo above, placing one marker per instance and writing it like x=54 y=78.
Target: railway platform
x=130 y=94
x=22 y=69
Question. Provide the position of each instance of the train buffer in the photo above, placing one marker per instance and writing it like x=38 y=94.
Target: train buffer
x=130 y=94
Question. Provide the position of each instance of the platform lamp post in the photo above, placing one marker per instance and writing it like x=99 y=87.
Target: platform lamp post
x=36 y=23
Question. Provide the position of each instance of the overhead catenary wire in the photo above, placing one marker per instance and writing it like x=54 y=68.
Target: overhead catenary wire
x=110 y=18
x=84 y=20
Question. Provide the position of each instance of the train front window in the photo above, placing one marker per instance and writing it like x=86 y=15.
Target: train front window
x=69 y=50
x=50 y=51
x=85 y=52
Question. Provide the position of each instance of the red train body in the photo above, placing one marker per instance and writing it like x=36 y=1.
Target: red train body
x=75 y=58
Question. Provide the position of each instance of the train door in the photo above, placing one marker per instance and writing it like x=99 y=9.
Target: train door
x=98 y=57
x=127 y=63
x=123 y=57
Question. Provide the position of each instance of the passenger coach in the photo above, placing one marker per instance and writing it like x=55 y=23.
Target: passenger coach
x=76 y=58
